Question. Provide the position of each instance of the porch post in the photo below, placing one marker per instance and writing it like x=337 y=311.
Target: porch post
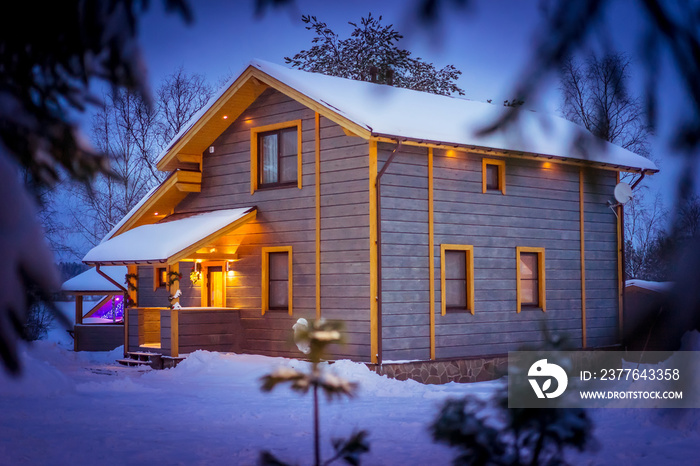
x=174 y=327
x=78 y=319
x=130 y=296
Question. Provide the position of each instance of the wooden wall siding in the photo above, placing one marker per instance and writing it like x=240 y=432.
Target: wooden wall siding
x=601 y=259
x=133 y=343
x=104 y=337
x=215 y=330
x=147 y=297
x=405 y=285
x=286 y=217
x=540 y=209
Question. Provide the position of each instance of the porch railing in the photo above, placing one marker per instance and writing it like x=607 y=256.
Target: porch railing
x=174 y=331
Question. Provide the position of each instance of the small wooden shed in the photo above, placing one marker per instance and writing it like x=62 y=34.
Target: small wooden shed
x=101 y=326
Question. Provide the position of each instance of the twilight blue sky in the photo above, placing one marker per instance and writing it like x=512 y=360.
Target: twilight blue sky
x=490 y=42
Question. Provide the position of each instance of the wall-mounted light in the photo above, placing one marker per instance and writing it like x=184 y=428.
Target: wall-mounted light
x=211 y=149
x=229 y=268
x=547 y=165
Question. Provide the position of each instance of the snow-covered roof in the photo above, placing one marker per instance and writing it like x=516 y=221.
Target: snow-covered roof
x=397 y=113
x=659 y=287
x=90 y=280
x=160 y=241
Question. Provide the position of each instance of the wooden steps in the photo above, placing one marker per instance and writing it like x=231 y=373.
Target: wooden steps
x=147 y=358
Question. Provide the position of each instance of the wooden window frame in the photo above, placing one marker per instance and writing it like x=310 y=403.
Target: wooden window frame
x=255 y=133
x=542 y=288
x=204 y=282
x=265 y=288
x=501 y=164
x=156 y=278
x=469 y=257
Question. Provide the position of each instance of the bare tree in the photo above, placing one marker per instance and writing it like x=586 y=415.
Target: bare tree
x=179 y=97
x=644 y=229
x=123 y=128
x=133 y=133
x=688 y=218
x=596 y=97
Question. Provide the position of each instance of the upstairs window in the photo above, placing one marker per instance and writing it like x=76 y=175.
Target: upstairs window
x=493 y=175
x=530 y=278
x=276 y=156
x=457 y=278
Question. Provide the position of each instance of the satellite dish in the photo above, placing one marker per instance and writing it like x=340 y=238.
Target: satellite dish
x=623 y=193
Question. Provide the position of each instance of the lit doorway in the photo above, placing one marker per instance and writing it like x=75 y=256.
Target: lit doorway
x=216 y=287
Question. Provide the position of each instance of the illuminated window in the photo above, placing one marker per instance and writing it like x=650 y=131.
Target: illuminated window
x=277 y=279
x=276 y=155
x=493 y=175
x=160 y=277
x=531 y=278
x=457 y=278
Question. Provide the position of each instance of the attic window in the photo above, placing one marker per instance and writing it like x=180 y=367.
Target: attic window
x=493 y=175
x=276 y=155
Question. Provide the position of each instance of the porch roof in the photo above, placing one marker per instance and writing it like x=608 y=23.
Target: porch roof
x=173 y=239
x=91 y=281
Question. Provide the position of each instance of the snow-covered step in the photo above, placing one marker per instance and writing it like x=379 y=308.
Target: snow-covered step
x=133 y=362
x=142 y=358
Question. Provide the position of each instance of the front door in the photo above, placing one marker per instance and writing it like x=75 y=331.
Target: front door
x=215 y=287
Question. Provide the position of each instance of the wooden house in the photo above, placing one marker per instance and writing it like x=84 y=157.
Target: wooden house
x=295 y=194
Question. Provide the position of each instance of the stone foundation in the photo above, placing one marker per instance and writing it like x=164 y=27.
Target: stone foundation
x=439 y=372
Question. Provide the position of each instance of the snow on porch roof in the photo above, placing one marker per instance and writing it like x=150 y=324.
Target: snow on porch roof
x=397 y=113
x=90 y=280
x=159 y=242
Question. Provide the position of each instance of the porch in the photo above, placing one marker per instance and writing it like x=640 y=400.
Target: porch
x=172 y=332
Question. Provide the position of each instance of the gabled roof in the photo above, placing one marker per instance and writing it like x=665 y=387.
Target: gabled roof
x=91 y=281
x=378 y=111
x=170 y=241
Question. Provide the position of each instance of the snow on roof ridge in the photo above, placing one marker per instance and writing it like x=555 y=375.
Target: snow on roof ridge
x=456 y=120
x=650 y=285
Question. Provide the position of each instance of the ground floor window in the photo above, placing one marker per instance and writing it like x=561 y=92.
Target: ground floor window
x=530 y=278
x=277 y=279
x=457 y=278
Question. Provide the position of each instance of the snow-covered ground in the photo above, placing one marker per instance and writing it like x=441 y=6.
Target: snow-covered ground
x=82 y=408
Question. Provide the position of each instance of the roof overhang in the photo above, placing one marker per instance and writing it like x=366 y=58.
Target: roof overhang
x=203 y=236
x=510 y=153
